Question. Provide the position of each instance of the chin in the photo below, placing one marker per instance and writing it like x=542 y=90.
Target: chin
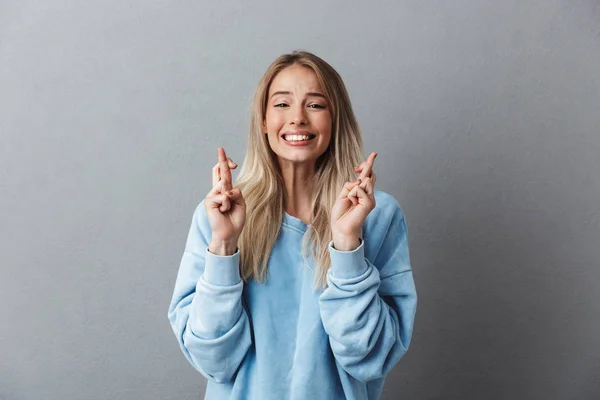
x=289 y=156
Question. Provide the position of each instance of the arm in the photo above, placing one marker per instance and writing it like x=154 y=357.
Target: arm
x=368 y=311
x=206 y=311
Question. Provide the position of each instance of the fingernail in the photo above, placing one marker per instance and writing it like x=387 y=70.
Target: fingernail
x=230 y=193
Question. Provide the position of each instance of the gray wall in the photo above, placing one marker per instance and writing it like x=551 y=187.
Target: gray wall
x=486 y=117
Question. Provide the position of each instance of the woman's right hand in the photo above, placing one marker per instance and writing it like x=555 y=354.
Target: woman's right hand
x=226 y=208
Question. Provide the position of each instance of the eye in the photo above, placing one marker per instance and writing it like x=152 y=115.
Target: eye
x=281 y=105
x=318 y=106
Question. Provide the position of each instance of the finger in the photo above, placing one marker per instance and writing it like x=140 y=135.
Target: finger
x=224 y=171
x=219 y=201
x=360 y=167
x=223 y=157
x=373 y=177
x=367 y=185
x=217 y=189
x=368 y=166
x=226 y=203
x=361 y=196
x=353 y=196
x=346 y=189
x=351 y=193
x=216 y=171
x=221 y=154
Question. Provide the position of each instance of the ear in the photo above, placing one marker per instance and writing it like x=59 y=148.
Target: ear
x=264 y=126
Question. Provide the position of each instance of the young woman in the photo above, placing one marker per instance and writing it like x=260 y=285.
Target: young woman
x=296 y=282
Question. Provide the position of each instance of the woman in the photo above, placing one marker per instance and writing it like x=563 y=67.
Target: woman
x=295 y=282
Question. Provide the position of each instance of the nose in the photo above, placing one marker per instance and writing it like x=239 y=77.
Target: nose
x=298 y=115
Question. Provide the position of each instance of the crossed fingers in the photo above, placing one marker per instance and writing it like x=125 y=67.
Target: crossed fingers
x=221 y=172
x=365 y=169
x=222 y=193
x=365 y=182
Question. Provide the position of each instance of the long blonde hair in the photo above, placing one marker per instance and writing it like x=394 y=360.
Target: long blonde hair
x=261 y=181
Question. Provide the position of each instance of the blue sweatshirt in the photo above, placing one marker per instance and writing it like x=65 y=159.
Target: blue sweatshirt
x=285 y=340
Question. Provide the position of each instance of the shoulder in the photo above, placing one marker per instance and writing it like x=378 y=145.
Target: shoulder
x=385 y=222
x=386 y=208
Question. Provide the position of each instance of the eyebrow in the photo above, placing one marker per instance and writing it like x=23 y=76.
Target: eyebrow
x=308 y=94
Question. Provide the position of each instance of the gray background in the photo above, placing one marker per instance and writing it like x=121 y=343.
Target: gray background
x=486 y=117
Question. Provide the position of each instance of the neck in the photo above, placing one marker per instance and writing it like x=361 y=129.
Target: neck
x=299 y=183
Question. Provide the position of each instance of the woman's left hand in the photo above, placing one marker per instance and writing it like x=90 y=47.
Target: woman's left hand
x=355 y=202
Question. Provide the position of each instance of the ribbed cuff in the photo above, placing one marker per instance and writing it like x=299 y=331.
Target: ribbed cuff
x=348 y=264
x=222 y=270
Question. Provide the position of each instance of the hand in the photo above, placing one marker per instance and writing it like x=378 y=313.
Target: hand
x=225 y=206
x=355 y=202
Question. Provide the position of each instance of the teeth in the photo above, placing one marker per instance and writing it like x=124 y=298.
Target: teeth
x=296 y=138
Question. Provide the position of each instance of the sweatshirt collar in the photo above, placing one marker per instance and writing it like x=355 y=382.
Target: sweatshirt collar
x=294 y=222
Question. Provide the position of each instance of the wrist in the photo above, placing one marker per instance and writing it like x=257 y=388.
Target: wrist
x=346 y=243
x=223 y=247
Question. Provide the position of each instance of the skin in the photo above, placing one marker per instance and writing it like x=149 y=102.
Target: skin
x=225 y=207
x=295 y=102
x=354 y=203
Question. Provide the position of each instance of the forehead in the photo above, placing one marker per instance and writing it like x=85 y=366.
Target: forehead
x=296 y=78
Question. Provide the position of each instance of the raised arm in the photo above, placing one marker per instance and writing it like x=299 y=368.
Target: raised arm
x=206 y=311
x=368 y=309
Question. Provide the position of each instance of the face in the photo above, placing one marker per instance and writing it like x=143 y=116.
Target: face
x=297 y=108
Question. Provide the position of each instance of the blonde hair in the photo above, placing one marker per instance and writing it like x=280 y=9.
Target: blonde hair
x=261 y=181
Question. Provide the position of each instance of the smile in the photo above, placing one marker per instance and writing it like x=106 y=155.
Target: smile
x=298 y=138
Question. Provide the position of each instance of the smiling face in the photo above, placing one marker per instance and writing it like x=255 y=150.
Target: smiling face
x=297 y=110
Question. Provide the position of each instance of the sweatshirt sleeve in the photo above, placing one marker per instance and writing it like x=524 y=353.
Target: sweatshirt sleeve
x=206 y=311
x=368 y=309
